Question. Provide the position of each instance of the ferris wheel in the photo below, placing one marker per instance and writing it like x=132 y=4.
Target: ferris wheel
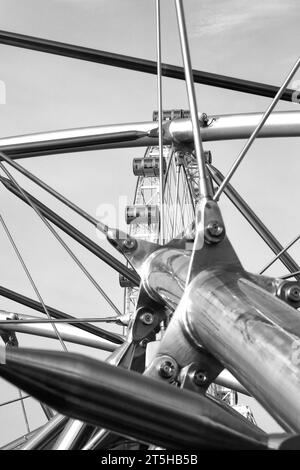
x=196 y=328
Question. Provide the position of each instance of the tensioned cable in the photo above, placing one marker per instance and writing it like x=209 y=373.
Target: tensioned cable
x=279 y=254
x=23 y=264
x=24 y=412
x=15 y=400
x=58 y=237
x=256 y=131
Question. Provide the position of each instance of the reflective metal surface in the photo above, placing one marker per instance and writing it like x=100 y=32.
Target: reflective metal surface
x=254 y=334
x=221 y=127
x=67 y=332
x=46 y=433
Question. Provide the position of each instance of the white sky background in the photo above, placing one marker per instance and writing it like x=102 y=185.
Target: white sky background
x=252 y=40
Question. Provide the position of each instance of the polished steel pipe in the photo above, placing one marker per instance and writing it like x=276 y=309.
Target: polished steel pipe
x=220 y=127
x=67 y=332
x=254 y=335
x=142 y=408
x=46 y=433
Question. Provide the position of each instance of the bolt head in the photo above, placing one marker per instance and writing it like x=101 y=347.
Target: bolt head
x=200 y=378
x=215 y=229
x=167 y=369
x=147 y=318
x=129 y=244
x=293 y=293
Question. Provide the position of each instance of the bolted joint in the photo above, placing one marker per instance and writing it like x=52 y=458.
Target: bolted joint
x=167 y=369
x=200 y=378
x=215 y=229
x=289 y=291
x=147 y=318
x=129 y=244
x=293 y=293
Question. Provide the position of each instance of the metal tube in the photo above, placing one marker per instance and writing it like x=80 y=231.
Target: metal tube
x=68 y=333
x=100 y=440
x=256 y=130
x=137 y=64
x=188 y=72
x=160 y=121
x=46 y=433
x=253 y=334
x=73 y=434
x=23 y=300
x=221 y=127
x=19 y=441
x=254 y=221
x=74 y=233
x=112 y=397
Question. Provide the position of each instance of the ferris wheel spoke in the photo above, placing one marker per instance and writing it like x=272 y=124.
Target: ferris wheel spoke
x=61 y=241
x=72 y=232
x=33 y=284
x=95 y=331
x=24 y=411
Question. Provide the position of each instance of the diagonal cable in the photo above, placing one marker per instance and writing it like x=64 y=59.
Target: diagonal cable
x=37 y=292
x=58 y=238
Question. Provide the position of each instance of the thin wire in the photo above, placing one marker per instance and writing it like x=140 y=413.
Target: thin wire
x=256 y=131
x=287 y=276
x=10 y=237
x=58 y=238
x=24 y=411
x=280 y=253
x=15 y=400
x=160 y=128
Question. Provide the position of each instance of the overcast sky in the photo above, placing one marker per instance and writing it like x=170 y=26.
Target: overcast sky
x=252 y=40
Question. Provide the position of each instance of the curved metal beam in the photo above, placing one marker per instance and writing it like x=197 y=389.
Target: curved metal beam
x=219 y=127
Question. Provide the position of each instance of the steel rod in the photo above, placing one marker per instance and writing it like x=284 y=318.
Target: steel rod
x=280 y=254
x=287 y=276
x=253 y=220
x=75 y=234
x=256 y=131
x=96 y=331
x=138 y=64
x=30 y=325
x=188 y=72
x=46 y=433
x=160 y=123
x=221 y=127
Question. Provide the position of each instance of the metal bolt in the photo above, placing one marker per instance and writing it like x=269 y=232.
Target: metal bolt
x=293 y=293
x=167 y=369
x=129 y=244
x=144 y=342
x=147 y=318
x=200 y=378
x=215 y=228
